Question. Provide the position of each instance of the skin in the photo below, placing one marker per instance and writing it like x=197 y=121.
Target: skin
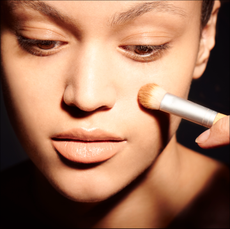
x=216 y=136
x=91 y=76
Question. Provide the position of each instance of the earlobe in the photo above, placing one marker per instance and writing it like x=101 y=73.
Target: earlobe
x=207 y=42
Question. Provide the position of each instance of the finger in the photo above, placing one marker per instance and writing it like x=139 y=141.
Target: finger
x=216 y=136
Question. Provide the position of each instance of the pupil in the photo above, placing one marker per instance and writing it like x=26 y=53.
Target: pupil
x=143 y=50
x=46 y=45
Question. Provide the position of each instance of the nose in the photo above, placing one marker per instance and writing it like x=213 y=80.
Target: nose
x=90 y=85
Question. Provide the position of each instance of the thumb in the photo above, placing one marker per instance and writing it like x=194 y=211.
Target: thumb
x=216 y=136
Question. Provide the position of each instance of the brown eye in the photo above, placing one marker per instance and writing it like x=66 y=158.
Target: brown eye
x=144 y=53
x=40 y=47
x=46 y=45
x=143 y=50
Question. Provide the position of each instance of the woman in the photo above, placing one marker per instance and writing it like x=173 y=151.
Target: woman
x=71 y=74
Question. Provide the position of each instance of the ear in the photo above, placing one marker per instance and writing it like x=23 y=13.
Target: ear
x=207 y=42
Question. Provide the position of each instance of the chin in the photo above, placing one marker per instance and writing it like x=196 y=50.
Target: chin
x=86 y=195
x=84 y=187
x=93 y=198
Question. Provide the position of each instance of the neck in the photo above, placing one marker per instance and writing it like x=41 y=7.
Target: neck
x=155 y=200
x=146 y=202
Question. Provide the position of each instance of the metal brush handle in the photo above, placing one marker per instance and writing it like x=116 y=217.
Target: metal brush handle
x=188 y=110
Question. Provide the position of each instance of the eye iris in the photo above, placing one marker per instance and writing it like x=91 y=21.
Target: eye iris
x=143 y=50
x=46 y=45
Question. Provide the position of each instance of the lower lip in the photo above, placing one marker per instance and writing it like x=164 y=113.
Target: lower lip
x=88 y=152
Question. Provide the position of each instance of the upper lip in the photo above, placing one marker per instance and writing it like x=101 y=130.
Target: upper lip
x=87 y=135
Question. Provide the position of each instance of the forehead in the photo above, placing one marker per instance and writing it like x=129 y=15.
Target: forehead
x=114 y=12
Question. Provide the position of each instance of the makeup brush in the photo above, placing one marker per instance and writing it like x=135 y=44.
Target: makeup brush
x=154 y=97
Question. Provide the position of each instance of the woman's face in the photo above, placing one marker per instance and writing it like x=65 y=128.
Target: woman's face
x=72 y=72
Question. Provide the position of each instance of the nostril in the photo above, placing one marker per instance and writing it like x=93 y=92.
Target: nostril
x=74 y=111
x=103 y=108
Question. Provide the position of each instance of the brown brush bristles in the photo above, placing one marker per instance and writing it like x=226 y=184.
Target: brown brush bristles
x=151 y=95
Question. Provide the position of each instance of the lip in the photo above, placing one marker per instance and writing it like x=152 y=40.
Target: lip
x=87 y=145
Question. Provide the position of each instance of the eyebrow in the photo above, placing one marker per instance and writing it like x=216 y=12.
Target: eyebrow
x=140 y=9
x=118 y=19
x=39 y=6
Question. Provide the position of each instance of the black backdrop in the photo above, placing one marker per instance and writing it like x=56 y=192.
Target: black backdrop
x=211 y=90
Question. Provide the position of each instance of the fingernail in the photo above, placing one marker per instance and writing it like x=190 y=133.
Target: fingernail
x=203 y=137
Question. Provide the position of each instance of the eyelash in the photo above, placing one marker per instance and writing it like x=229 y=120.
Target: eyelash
x=153 y=52
x=156 y=51
x=32 y=46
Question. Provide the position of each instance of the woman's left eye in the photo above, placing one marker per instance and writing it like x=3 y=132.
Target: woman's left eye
x=39 y=47
x=46 y=45
x=143 y=53
x=141 y=49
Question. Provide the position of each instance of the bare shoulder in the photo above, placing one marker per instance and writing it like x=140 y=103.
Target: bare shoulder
x=202 y=164
x=209 y=206
x=202 y=174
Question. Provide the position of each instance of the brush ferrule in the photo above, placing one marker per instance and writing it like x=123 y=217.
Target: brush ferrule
x=188 y=110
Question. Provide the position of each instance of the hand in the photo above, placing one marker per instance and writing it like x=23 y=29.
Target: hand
x=216 y=136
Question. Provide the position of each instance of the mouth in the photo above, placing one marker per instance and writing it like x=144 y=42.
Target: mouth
x=87 y=146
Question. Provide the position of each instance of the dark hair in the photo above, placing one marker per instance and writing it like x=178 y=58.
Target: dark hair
x=207 y=6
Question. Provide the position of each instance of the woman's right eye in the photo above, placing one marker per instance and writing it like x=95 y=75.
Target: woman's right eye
x=39 y=47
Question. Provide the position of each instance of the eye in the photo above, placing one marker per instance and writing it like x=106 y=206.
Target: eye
x=140 y=49
x=46 y=45
x=144 y=53
x=40 y=47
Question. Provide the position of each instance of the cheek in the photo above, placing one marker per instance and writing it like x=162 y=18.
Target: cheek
x=173 y=72
x=31 y=90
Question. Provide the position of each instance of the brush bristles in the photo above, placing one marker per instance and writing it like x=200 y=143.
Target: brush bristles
x=151 y=95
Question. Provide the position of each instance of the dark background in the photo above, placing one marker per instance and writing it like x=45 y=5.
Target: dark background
x=211 y=90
